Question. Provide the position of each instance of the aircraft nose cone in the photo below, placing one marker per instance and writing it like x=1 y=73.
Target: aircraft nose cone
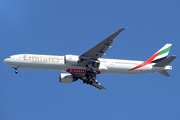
x=5 y=61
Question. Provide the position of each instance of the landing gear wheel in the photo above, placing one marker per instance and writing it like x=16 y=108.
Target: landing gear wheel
x=87 y=82
x=16 y=72
x=91 y=82
x=84 y=81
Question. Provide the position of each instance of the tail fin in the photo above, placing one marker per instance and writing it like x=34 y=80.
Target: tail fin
x=157 y=57
x=162 y=53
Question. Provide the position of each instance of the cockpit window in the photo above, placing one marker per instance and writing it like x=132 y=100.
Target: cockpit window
x=9 y=57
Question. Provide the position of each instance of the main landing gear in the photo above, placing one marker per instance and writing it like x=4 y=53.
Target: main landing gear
x=91 y=72
x=90 y=79
x=16 y=70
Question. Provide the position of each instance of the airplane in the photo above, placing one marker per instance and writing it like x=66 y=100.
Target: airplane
x=88 y=65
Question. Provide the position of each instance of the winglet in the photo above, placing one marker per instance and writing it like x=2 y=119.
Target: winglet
x=115 y=34
x=122 y=29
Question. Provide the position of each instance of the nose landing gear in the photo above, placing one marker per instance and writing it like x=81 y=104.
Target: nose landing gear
x=16 y=70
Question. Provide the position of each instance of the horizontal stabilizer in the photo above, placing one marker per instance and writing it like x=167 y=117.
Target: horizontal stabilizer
x=165 y=73
x=165 y=62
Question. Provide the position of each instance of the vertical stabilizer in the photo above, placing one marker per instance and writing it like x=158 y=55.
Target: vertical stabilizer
x=162 y=53
x=157 y=57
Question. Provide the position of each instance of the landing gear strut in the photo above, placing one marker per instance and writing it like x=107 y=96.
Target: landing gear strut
x=16 y=71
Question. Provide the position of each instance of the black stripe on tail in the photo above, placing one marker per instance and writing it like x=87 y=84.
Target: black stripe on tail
x=158 y=60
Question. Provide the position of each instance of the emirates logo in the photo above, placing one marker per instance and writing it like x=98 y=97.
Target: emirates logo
x=80 y=71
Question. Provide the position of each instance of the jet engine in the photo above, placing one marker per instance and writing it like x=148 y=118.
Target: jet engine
x=71 y=59
x=66 y=78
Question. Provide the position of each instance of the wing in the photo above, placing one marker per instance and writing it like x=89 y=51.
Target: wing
x=98 y=85
x=98 y=50
x=95 y=82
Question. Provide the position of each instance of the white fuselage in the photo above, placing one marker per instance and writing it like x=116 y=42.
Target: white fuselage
x=51 y=62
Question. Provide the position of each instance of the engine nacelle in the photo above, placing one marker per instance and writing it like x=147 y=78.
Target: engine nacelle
x=71 y=59
x=66 y=78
